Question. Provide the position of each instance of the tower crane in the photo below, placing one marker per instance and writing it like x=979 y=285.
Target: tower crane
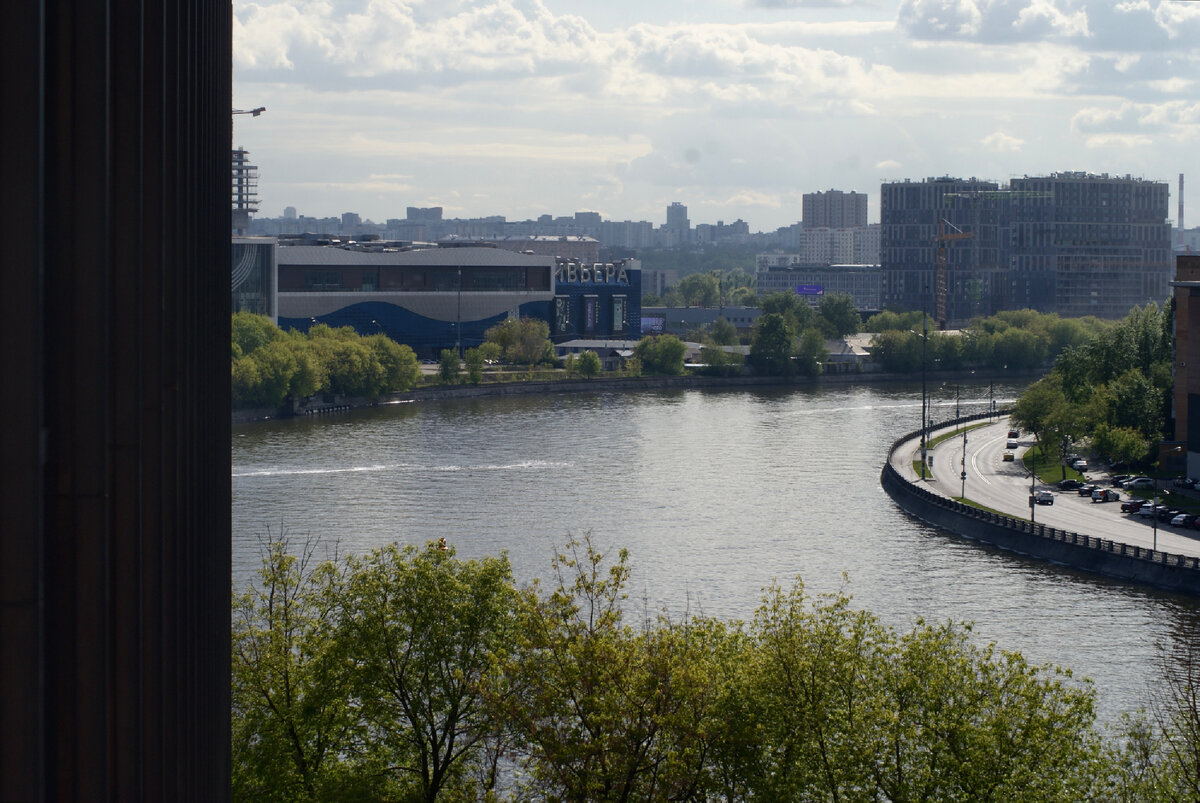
x=942 y=238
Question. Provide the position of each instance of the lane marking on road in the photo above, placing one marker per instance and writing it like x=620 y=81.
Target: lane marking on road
x=975 y=465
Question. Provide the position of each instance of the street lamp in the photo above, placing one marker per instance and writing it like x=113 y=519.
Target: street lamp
x=963 y=493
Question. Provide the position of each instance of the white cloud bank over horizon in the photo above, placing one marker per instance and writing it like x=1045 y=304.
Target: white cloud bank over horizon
x=732 y=107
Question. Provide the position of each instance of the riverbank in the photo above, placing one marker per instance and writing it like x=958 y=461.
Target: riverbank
x=329 y=404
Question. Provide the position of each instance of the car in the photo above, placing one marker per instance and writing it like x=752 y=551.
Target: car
x=1105 y=495
x=1070 y=485
x=1013 y=434
x=1011 y=444
x=1148 y=509
x=1117 y=479
x=1183 y=520
x=1131 y=505
x=1138 y=482
x=1167 y=513
x=1086 y=490
x=1044 y=498
x=1080 y=465
x=1008 y=457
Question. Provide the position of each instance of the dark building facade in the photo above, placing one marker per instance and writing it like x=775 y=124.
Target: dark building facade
x=1084 y=244
x=115 y=499
x=1074 y=244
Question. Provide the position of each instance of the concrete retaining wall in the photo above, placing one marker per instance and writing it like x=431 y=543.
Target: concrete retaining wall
x=1179 y=573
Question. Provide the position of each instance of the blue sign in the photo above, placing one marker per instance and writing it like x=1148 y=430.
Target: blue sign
x=810 y=289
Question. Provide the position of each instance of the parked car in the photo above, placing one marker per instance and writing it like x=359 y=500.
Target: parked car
x=1138 y=482
x=1117 y=479
x=1183 y=520
x=1131 y=505
x=1148 y=509
x=1105 y=495
x=1044 y=498
x=1070 y=485
x=1008 y=457
x=1086 y=490
x=1080 y=465
x=1167 y=513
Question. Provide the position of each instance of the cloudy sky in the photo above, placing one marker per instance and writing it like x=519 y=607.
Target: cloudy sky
x=732 y=107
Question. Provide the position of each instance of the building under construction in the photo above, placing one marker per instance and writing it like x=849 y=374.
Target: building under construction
x=1070 y=243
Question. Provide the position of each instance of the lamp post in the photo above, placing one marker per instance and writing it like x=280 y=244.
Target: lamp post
x=924 y=419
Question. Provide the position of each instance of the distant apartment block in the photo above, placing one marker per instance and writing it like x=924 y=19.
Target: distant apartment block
x=828 y=247
x=834 y=209
x=864 y=283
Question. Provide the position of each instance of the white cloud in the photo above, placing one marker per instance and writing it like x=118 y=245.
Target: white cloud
x=1001 y=142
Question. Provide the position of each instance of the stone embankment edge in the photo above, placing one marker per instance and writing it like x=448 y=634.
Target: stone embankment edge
x=605 y=385
x=1112 y=559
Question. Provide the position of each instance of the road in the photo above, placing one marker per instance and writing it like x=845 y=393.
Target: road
x=1005 y=487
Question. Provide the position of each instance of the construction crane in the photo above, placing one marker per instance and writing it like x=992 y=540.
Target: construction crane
x=974 y=196
x=255 y=112
x=942 y=238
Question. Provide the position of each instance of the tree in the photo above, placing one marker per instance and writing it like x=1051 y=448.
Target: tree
x=251 y=332
x=589 y=364
x=794 y=310
x=604 y=712
x=661 y=355
x=773 y=345
x=427 y=629
x=897 y=351
x=724 y=333
x=699 y=290
x=523 y=340
x=449 y=366
x=811 y=352
x=399 y=363
x=474 y=361
x=292 y=723
x=838 y=315
x=1039 y=410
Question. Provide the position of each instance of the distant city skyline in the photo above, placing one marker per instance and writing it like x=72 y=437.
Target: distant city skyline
x=734 y=108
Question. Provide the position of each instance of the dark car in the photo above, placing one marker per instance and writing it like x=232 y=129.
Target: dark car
x=1167 y=513
x=1086 y=490
x=1070 y=485
x=1014 y=434
x=1131 y=505
x=1117 y=479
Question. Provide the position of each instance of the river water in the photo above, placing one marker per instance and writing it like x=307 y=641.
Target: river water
x=715 y=494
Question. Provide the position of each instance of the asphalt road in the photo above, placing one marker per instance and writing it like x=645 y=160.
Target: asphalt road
x=1005 y=487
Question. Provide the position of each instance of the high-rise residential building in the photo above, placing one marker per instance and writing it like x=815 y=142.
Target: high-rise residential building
x=834 y=209
x=912 y=216
x=678 y=223
x=289 y=213
x=1085 y=244
x=350 y=222
x=1070 y=243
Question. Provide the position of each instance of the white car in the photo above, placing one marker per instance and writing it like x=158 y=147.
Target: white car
x=1138 y=482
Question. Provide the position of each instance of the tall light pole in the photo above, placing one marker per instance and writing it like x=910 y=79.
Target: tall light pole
x=924 y=419
x=963 y=493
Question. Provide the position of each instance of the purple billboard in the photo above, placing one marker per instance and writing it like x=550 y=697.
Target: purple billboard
x=810 y=289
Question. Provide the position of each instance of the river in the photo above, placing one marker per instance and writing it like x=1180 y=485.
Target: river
x=715 y=494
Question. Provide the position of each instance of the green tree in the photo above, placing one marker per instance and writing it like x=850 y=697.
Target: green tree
x=795 y=311
x=589 y=364
x=724 y=333
x=523 y=340
x=474 y=361
x=427 y=629
x=294 y=730
x=897 y=351
x=773 y=345
x=1040 y=410
x=811 y=352
x=399 y=363
x=838 y=315
x=699 y=290
x=603 y=711
x=251 y=332
x=449 y=366
x=661 y=355
x=277 y=366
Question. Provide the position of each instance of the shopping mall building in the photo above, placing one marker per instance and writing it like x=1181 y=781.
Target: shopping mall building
x=447 y=297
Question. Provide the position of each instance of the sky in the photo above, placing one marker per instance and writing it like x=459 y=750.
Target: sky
x=734 y=108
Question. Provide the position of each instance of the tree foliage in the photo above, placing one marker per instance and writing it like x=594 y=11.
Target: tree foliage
x=407 y=673
x=270 y=366
x=773 y=345
x=663 y=354
x=523 y=341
